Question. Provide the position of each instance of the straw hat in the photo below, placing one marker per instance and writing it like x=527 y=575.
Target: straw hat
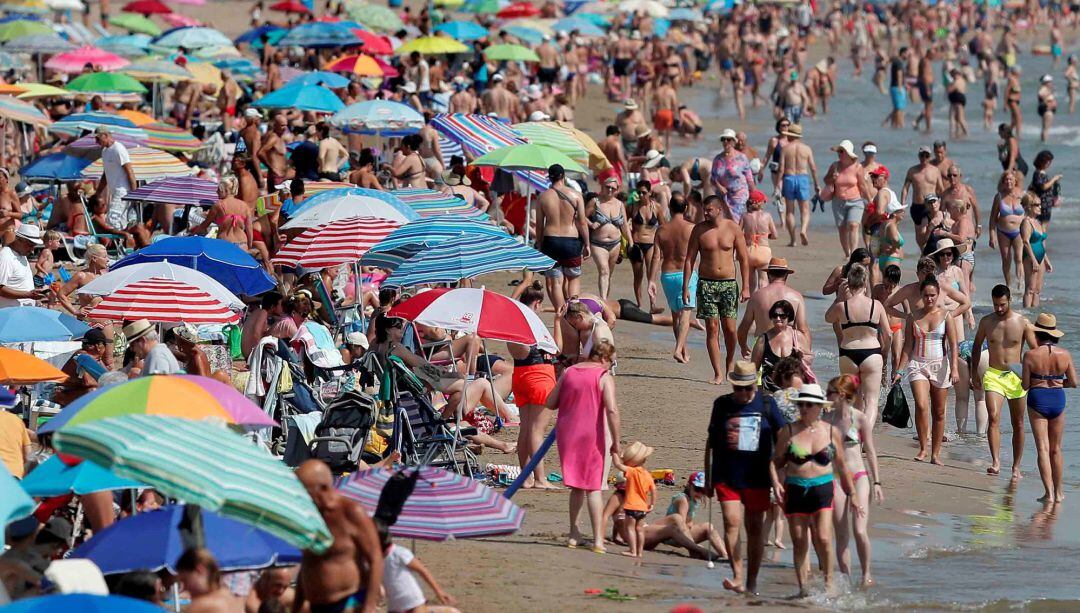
x=744 y=374
x=636 y=453
x=629 y=105
x=811 y=393
x=794 y=130
x=137 y=329
x=187 y=332
x=452 y=179
x=947 y=243
x=1047 y=324
x=847 y=147
x=780 y=264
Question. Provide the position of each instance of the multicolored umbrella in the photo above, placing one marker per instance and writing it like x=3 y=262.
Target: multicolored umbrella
x=138 y=118
x=222 y=261
x=432 y=45
x=185 y=396
x=203 y=463
x=412 y=238
x=106 y=82
x=39 y=43
x=15 y=504
x=28 y=324
x=23 y=27
x=75 y=61
x=430 y=203
x=191 y=38
x=337 y=204
x=146 y=7
x=319 y=35
x=455 y=259
x=170 y=138
x=375 y=16
x=77 y=123
x=338 y=242
x=55 y=478
x=184 y=191
x=147 y=164
x=163 y=300
x=157 y=70
x=290 y=6
x=510 y=53
x=115 y=280
x=363 y=65
x=380 y=117
x=127 y=45
x=135 y=23
x=310 y=189
x=572 y=142
x=480 y=134
x=87 y=147
x=23 y=112
x=443 y=505
x=18 y=368
x=315 y=98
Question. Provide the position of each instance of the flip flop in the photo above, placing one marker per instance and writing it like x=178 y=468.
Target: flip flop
x=554 y=477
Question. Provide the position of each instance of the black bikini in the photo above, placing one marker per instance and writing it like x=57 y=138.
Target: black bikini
x=857 y=356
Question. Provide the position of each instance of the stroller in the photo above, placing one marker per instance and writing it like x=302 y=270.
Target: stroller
x=344 y=431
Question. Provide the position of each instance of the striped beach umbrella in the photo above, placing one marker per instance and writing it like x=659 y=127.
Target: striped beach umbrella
x=342 y=241
x=480 y=134
x=119 y=278
x=186 y=191
x=412 y=238
x=39 y=43
x=77 y=123
x=22 y=112
x=338 y=204
x=148 y=164
x=318 y=187
x=319 y=35
x=221 y=260
x=87 y=147
x=443 y=505
x=170 y=138
x=430 y=203
x=470 y=310
x=203 y=463
x=455 y=259
x=157 y=70
x=139 y=118
x=163 y=300
x=378 y=117
x=360 y=64
x=572 y=142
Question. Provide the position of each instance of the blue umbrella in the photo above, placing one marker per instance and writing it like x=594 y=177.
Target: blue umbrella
x=273 y=37
x=458 y=258
x=27 y=324
x=54 y=167
x=303 y=97
x=255 y=34
x=320 y=77
x=318 y=34
x=332 y=195
x=223 y=261
x=583 y=26
x=125 y=44
x=190 y=37
x=84 y=603
x=414 y=237
x=529 y=35
x=683 y=13
x=54 y=478
x=463 y=31
x=154 y=541
x=14 y=502
x=379 y=117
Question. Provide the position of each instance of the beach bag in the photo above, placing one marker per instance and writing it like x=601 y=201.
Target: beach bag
x=896 y=412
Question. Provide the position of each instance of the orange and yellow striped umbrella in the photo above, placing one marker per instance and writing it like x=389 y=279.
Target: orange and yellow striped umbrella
x=148 y=164
x=137 y=117
x=360 y=64
x=170 y=138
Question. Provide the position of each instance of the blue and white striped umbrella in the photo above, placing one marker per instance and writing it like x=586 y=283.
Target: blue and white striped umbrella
x=411 y=239
x=430 y=203
x=579 y=24
x=319 y=34
x=335 y=204
x=127 y=45
x=459 y=258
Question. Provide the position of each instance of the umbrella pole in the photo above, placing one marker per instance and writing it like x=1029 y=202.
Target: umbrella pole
x=359 y=298
x=528 y=211
x=491 y=377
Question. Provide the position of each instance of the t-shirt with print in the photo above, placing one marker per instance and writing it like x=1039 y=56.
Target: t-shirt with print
x=741 y=437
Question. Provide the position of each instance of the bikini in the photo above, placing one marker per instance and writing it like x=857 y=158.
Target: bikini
x=604 y=220
x=1006 y=210
x=1047 y=401
x=857 y=356
x=808 y=495
x=640 y=251
x=885 y=260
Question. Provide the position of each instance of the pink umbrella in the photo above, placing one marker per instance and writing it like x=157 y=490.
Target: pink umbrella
x=180 y=21
x=75 y=61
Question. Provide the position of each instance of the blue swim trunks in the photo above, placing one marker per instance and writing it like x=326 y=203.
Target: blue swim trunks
x=899 y=98
x=672 y=284
x=796 y=187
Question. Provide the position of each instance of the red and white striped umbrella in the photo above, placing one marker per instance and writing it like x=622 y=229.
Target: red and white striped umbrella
x=338 y=242
x=163 y=300
x=477 y=311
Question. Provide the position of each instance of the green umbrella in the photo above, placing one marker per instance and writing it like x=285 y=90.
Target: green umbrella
x=376 y=17
x=23 y=27
x=482 y=6
x=528 y=157
x=106 y=82
x=206 y=464
x=511 y=53
x=133 y=22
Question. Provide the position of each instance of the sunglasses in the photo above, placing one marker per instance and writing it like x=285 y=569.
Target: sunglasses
x=398 y=324
x=778 y=315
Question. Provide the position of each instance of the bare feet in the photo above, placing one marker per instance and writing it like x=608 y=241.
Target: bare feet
x=1045 y=498
x=717 y=380
x=802 y=237
x=1016 y=476
x=779 y=544
x=730 y=584
x=994 y=469
x=679 y=357
x=574 y=540
x=868 y=581
x=936 y=460
x=629 y=554
x=697 y=325
x=509 y=448
x=921 y=457
x=1059 y=498
x=791 y=244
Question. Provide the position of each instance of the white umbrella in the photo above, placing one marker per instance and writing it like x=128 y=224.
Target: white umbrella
x=66 y=5
x=346 y=206
x=650 y=7
x=113 y=280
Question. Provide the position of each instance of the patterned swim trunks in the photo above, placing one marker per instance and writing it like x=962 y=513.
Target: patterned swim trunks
x=717 y=298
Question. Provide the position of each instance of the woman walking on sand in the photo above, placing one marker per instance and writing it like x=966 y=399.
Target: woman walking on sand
x=864 y=337
x=1006 y=215
x=533 y=381
x=1036 y=259
x=607 y=229
x=587 y=431
x=758 y=229
x=1048 y=369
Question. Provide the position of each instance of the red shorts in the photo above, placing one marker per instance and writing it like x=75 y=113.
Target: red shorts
x=532 y=384
x=756 y=500
x=664 y=119
x=230 y=111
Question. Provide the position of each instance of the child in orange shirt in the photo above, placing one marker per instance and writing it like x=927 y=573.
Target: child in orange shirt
x=640 y=494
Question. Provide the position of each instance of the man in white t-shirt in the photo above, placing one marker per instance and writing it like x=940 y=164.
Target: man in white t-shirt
x=156 y=356
x=118 y=177
x=16 y=277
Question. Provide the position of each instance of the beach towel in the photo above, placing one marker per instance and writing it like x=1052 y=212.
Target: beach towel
x=319 y=345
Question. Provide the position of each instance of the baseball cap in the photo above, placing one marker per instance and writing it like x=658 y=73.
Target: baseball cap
x=880 y=171
x=102 y=131
x=56 y=529
x=22 y=528
x=697 y=479
x=925 y=149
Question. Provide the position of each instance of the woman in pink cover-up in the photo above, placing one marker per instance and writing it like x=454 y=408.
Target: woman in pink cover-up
x=586 y=432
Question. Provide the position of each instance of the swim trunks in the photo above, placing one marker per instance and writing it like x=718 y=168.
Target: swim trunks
x=755 y=500
x=717 y=298
x=1004 y=383
x=566 y=251
x=349 y=603
x=547 y=76
x=796 y=187
x=672 y=283
x=918 y=213
x=621 y=66
x=899 y=98
x=664 y=119
x=847 y=211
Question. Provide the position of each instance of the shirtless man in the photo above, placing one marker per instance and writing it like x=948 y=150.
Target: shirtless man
x=226 y=101
x=956 y=189
x=464 y=99
x=665 y=108
x=941 y=158
x=272 y=151
x=756 y=315
x=1005 y=332
x=332 y=154
x=719 y=241
x=631 y=123
x=925 y=84
x=798 y=171
x=622 y=61
x=274 y=584
x=252 y=141
x=347 y=577
x=430 y=151
x=497 y=99
x=673 y=238
x=562 y=231
x=793 y=98
x=548 y=71
x=922 y=179
x=614 y=152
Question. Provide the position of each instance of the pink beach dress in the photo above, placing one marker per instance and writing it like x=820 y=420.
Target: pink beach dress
x=582 y=430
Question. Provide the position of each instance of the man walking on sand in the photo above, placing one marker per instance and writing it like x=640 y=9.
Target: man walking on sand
x=756 y=315
x=562 y=232
x=1005 y=332
x=923 y=179
x=673 y=238
x=719 y=241
x=738 y=463
x=798 y=171
x=665 y=109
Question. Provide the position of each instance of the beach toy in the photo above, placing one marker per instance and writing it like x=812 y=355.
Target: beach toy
x=663 y=475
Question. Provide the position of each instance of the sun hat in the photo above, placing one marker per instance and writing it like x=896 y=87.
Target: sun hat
x=652 y=159
x=629 y=104
x=252 y=113
x=23 y=190
x=452 y=179
x=23 y=528
x=612 y=179
x=697 y=479
x=1046 y=78
x=643 y=131
x=846 y=146
x=894 y=207
x=811 y=393
x=744 y=374
x=1047 y=324
x=539 y=116
x=137 y=329
x=794 y=130
x=29 y=233
x=780 y=264
x=947 y=243
x=728 y=133
x=880 y=171
x=187 y=332
x=636 y=453
x=357 y=339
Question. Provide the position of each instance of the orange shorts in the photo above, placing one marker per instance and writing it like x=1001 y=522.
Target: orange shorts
x=756 y=500
x=664 y=119
x=532 y=384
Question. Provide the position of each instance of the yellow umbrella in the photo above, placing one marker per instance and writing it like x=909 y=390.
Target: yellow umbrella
x=205 y=73
x=42 y=90
x=432 y=45
x=567 y=139
x=544 y=26
x=18 y=368
x=137 y=117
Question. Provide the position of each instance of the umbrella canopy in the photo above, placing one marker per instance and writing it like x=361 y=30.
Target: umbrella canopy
x=163 y=300
x=318 y=34
x=116 y=279
x=23 y=27
x=187 y=191
x=206 y=464
x=154 y=541
x=315 y=98
x=462 y=30
x=54 y=167
x=525 y=34
x=181 y=396
x=338 y=204
x=455 y=259
x=127 y=45
x=152 y=69
x=335 y=243
x=414 y=237
x=138 y=118
x=18 y=368
x=518 y=10
x=23 y=112
x=432 y=45
x=180 y=20
x=255 y=34
x=363 y=65
x=572 y=142
x=191 y=38
x=480 y=134
x=148 y=165
x=38 y=43
x=375 y=16
x=483 y=7
x=528 y=157
x=28 y=324
x=511 y=53
x=580 y=25
x=443 y=505
x=223 y=261
x=14 y=502
x=376 y=44
x=84 y=603
x=319 y=77
x=378 y=117
x=55 y=478
x=135 y=23
x=88 y=148
x=75 y=61
x=66 y=5
x=290 y=6
x=170 y=138
x=476 y=311
x=42 y=90
x=146 y=7
x=206 y=73
x=77 y=123
x=652 y=8
x=430 y=203
x=106 y=82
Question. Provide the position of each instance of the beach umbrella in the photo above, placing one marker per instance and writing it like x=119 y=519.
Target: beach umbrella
x=75 y=61
x=432 y=45
x=412 y=238
x=84 y=603
x=528 y=157
x=375 y=16
x=42 y=90
x=54 y=167
x=381 y=117
x=117 y=279
x=135 y=23
x=290 y=6
x=56 y=478
x=487 y=314
x=337 y=204
x=28 y=324
x=22 y=112
x=363 y=65
x=683 y=13
x=164 y=301
x=518 y=10
x=77 y=123
x=179 y=396
x=191 y=38
x=319 y=77
x=221 y=260
x=147 y=164
x=87 y=147
x=206 y=73
x=431 y=203
x=273 y=37
x=313 y=98
x=128 y=45
x=318 y=187
x=580 y=25
x=66 y=5
x=170 y=138
x=154 y=69
x=574 y=143
x=184 y=191
x=9 y=61
x=540 y=25
x=180 y=20
x=525 y=34
x=46 y=44
x=317 y=35
x=146 y=7
x=455 y=259
x=25 y=8
x=203 y=463
x=23 y=27
x=11 y=89
x=138 y=118
x=338 y=242
x=510 y=53
x=375 y=43
x=217 y=52
x=443 y=505
x=652 y=8
x=18 y=368
x=256 y=34
x=462 y=30
x=15 y=504
x=155 y=540
x=480 y=134
x=106 y=82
